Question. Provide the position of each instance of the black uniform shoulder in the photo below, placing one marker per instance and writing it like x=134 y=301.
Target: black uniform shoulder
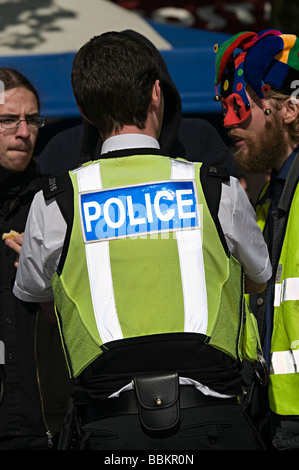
x=60 y=187
x=214 y=171
x=211 y=178
x=52 y=185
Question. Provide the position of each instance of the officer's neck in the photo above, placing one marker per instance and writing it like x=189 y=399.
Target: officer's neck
x=149 y=130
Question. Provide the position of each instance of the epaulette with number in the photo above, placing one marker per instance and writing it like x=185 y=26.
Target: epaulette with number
x=61 y=188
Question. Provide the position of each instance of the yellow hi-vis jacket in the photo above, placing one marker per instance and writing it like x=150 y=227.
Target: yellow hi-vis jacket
x=145 y=258
x=284 y=367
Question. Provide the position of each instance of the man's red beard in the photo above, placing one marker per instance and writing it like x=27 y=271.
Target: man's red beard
x=264 y=152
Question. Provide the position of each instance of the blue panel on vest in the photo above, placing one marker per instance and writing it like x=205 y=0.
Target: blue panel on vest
x=139 y=210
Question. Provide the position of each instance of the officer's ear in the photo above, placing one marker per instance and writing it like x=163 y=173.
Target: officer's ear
x=157 y=95
x=290 y=109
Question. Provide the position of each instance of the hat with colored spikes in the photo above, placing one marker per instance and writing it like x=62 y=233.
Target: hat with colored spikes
x=226 y=51
x=230 y=74
x=273 y=60
x=266 y=60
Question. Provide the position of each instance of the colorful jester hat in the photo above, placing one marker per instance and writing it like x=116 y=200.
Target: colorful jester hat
x=230 y=74
x=273 y=61
x=264 y=60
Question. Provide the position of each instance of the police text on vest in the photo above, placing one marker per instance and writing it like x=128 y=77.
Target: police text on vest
x=139 y=210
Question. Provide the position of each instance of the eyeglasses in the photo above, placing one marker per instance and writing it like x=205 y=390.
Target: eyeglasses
x=35 y=122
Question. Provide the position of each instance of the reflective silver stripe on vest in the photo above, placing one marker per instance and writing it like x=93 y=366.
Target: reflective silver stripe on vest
x=284 y=362
x=97 y=254
x=190 y=257
x=191 y=263
x=287 y=290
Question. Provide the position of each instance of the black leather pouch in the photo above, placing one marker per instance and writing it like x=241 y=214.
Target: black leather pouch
x=158 y=401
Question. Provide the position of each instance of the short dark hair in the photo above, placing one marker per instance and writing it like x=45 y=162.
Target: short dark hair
x=112 y=78
x=11 y=78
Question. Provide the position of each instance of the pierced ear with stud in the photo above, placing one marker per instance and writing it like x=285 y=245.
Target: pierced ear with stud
x=266 y=89
x=217 y=97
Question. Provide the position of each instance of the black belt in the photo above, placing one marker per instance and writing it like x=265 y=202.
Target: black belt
x=126 y=404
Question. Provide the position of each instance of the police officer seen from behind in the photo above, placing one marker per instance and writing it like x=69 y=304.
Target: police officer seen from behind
x=147 y=283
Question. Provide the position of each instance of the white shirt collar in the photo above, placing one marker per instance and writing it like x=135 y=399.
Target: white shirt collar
x=127 y=141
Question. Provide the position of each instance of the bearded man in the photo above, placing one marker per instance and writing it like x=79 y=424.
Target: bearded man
x=258 y=75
